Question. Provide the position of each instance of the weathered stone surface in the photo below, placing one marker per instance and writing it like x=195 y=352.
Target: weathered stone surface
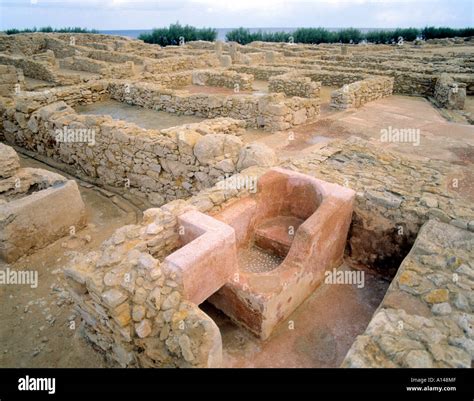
x=9 y=161
x=448 y=93
x=143 y=328
x=40 y=207
x=403 y=336
x=113 y=298
x=210 y=147
x=256 y=154
x=358 y=93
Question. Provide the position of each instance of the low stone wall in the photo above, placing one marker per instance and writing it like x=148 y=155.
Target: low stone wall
x=261 y=72
x=449 y=94
x=271 y=112
x=333 y=78
x=408 y=83
x=19 y=110
x=31 y=68
x=223 y=79
x=293 y=84
x=114 y=57
x=425 y=319
x=83 y=64
x=11 y=80
x=160 y=165
x=60 y=48
x=357 y=94
x=173 y=80
x=413 y=83
x=123 y=70
x=181 y=63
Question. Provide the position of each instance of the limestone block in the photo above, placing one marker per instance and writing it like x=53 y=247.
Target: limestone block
x=38 y=219
x=256 y=154
x=9 y=161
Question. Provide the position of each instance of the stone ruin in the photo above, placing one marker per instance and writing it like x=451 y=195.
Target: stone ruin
x=233 y=217
x=36 y=207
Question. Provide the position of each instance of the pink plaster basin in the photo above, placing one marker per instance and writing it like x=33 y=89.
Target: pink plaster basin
x=291 y=231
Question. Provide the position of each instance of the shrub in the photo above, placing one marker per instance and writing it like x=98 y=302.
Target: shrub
x=349 y=34
x=314 y=36
x=387 y=36
x=431 y=32
x=173 y=34
x=243 y=36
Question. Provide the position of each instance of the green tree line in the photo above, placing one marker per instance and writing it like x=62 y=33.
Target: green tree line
x=347 y=35
x=177 y=33
x=14 y=31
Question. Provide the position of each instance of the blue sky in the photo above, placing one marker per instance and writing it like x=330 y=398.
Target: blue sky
x=144 y=14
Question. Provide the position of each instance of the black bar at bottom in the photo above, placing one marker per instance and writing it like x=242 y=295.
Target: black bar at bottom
x=237 y=384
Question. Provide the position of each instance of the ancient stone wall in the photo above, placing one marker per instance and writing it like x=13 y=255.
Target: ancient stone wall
x=293 y=84
x=30 y=67
x=271 y=112
x=449 y=94
x=261 y=72
x=84 y=64
x=361 y=92
x=174 y=80
x=409 y=83
x=425 y=319
x=114 y=57
x=224 y=79
x=181 y=63
x=123 y=70
x=333 y=78
x=11 y=80
x=22 y=44
x=166 y=165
